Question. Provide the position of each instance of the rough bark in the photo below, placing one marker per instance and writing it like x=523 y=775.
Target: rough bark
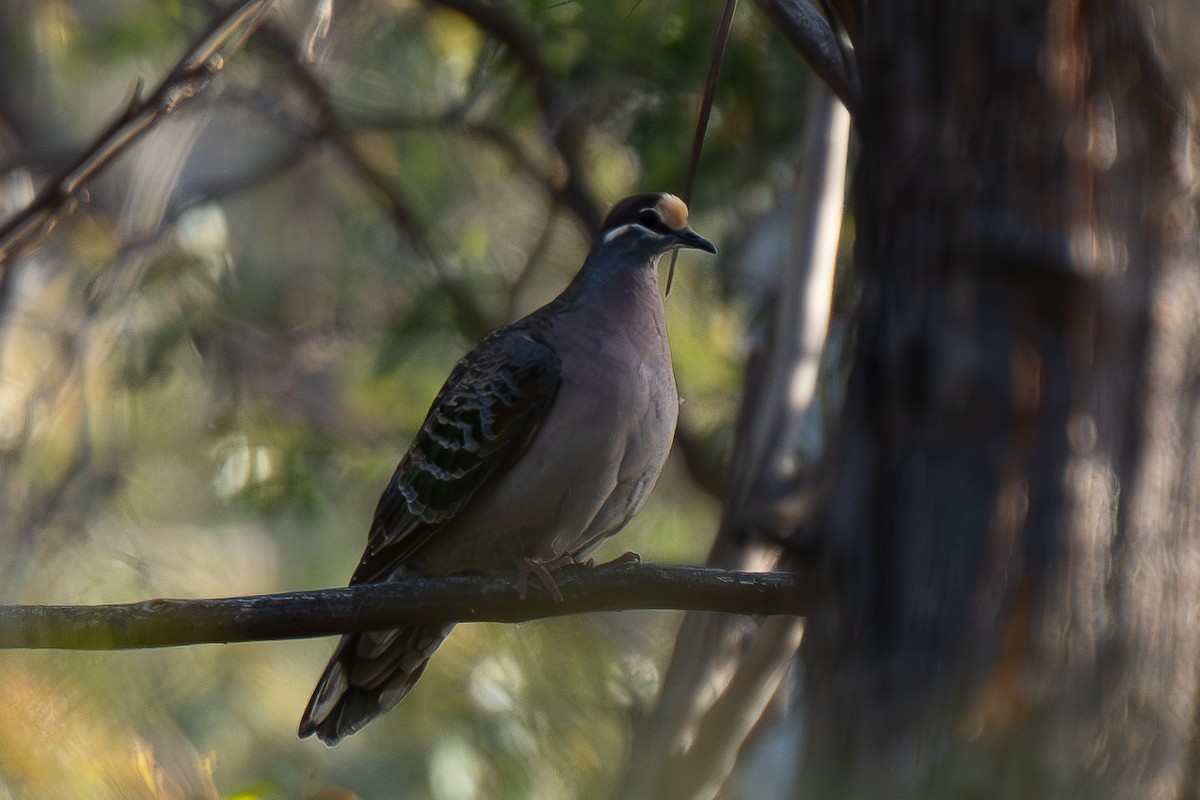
x=1013 y=532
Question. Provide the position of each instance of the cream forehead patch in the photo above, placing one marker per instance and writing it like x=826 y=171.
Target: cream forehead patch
x=672 y=211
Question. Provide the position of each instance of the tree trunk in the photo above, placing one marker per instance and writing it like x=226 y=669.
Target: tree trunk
x=1013 y=531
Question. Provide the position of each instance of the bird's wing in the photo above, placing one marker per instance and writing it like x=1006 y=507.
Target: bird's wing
x=483 y=418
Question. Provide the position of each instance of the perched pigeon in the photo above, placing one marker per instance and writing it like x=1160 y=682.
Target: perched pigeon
x=545 y=440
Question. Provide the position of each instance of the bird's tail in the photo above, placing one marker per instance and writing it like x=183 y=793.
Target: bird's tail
x=367 y=676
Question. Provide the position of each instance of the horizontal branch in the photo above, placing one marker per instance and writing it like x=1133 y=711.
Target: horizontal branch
x=297 y=615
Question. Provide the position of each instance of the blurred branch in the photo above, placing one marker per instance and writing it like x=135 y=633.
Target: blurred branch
x=188 y=78
x=566 y=187
x=329 y=127
x=319 y=27
x=815 y=40
x=721 y=733
x=456 y=121
x=495 y=21
x=534 y=256
x=117 y=282
x=474 y=318
x=294 y=615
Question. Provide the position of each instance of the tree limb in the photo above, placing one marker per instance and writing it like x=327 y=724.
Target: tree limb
x=813 y=38
x=204 y=60
x=295 y=615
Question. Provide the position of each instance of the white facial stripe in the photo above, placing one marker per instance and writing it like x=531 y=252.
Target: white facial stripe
x=615 y=232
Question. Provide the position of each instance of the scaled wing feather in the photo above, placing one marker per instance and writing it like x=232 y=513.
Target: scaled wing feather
x=484 y=417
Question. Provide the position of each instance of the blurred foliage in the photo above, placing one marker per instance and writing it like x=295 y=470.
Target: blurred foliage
x=208 y=371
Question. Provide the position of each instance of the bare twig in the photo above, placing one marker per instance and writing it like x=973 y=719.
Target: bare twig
x=614 y=587
x=204 y=60
x=706 y=104
x=710 y=95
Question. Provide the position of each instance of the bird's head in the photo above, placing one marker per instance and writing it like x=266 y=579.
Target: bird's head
x=656 y=222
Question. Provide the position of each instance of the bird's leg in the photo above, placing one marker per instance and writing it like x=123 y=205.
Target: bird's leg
x=534 y=566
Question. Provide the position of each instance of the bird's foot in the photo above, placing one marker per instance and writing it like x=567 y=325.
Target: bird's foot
x=533 y=566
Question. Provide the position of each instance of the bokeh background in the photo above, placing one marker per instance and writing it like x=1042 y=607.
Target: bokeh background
x=210 y=368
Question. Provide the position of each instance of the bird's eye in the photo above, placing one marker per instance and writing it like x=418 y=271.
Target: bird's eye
x=649 y=219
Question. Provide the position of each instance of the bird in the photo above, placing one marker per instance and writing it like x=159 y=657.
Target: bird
x=545 y=440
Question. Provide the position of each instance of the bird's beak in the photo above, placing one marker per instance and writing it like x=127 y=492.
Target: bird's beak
x=689 y=238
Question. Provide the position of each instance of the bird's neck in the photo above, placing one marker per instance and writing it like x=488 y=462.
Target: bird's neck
x=615 y=279
x=608 y=300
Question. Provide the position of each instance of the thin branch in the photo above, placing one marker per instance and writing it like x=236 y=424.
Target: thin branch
x=710 y=95
x=187 y=79
x=706 y=103
x=295 y=615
